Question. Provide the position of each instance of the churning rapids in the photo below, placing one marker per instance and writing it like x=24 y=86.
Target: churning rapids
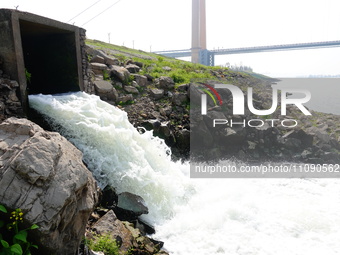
x=197 y=216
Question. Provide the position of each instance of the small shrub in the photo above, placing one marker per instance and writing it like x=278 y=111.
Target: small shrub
x=104 y=243
x=131 y=79
x=129 y=102
x=122 y=58
x=178 y=77
x=160 y=59
x=106 y=75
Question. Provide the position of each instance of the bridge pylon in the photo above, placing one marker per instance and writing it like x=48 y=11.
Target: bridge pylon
x=199 y=34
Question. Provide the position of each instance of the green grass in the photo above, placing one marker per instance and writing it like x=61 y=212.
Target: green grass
x=181 y=71
x=123 y=49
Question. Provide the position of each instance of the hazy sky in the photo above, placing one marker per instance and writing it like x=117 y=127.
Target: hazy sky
x=163 y=25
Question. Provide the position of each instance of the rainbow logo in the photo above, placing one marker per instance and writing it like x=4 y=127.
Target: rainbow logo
x=211 y=92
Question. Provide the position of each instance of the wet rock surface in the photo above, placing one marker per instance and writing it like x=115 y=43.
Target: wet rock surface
x=43 y=174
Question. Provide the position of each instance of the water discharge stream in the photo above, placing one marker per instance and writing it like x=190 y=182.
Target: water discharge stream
x=197 y=216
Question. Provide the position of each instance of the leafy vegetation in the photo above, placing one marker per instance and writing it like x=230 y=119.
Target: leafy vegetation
x=104 y=243
x=16 y=242
x=106 y=75
x=28 y=76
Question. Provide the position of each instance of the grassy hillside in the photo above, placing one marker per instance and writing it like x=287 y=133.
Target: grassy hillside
x=156 y=65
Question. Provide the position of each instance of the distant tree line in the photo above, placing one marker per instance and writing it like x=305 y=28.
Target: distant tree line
x=324 y=76
x=239 y=68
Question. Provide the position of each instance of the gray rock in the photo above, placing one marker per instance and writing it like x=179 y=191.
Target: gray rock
x=149 y=77
x=109 y=224
x=195 y=94
x=166 y=83
x=140 y=64
x=157 y=93
x=164 y=130
x=132 y=68
x=293 y=144
x=233 y=136
x=306 y=154
x=183 y=88
x=107 y=59
x=183 y=139
x=131 y=205
x=135 y=84
x=323 y=136
x=111 y=61
x=43 y=174
x=211 y=116
x=166 y=111
x=118 y=85
x=119 y=72
x=166 y=68
x=141 y=80
x=131 y=89
x=179 y=98
x=151 y=124
x=98 y=68
x=97 y=59
x=105 y=90
x=306 y=139
x=126 y=235
x=125 y=98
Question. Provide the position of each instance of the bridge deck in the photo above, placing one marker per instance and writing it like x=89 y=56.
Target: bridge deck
x=295 y=46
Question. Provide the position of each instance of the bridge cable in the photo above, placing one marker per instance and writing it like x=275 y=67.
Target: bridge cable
x=84 y=11
x=101 y=12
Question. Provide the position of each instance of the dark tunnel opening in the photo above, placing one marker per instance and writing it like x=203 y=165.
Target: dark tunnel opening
x=50 y=59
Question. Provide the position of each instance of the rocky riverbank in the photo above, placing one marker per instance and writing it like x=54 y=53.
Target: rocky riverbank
x=160 y=105
x=58 y=193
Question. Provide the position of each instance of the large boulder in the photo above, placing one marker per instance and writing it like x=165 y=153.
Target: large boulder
x=166 y=83
x=130 y=206
x=141 y=80
x=109 y=224
x=157 y=93
x=129 y=239
x=105 y=90
x=43 y=174
x=120 y=73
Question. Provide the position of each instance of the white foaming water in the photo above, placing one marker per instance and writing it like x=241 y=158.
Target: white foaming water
x=115 y=152
x=198 y=216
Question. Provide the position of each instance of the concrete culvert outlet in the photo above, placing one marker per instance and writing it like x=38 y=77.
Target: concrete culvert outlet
x=43 y=55
x=50 y=59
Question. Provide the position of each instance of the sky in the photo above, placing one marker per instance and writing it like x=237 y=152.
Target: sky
x=165 y=25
